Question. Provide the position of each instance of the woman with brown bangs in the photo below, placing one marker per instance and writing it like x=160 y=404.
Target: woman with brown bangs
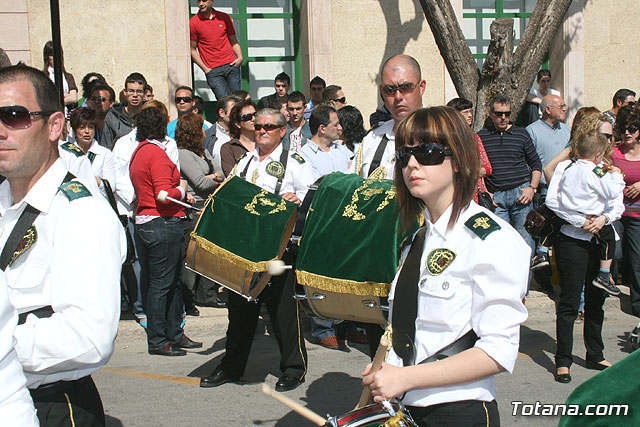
x=460 y=285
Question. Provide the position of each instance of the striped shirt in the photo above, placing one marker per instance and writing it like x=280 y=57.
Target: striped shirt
x=512 y=155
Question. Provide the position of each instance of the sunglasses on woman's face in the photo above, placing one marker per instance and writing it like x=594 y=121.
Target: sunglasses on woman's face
x=425 y=154
x=247 y=117
x=631 y=129
x=18 y=117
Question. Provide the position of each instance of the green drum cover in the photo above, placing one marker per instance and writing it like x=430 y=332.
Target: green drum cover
x=351 y=243
x=246 y=221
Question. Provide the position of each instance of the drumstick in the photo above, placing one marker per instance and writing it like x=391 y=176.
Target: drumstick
x=305 y=412
x=277 y=267
x=376 y=364
x=163 y=196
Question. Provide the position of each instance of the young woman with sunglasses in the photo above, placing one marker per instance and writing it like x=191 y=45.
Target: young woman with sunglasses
x=243 y=138
x=460 y=285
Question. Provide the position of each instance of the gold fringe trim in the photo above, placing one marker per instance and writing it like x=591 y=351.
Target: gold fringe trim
x=343 y=286
x=230 y=256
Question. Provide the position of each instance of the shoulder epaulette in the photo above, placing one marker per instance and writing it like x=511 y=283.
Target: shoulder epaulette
x=73 y=148
x=600 y=171
x=298 y=158
x=241 y=157
x=74 y=190
x=482 y=225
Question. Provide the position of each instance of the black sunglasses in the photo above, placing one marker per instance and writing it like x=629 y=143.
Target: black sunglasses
x=18 y=117
x=268 y=127
x=632 y=129
x=99 y=99
x=425 y=154
x=404 y=88
x=183 y=99
x=608 y=136
x=501 y=113
x=247 y=117
x=342 y=100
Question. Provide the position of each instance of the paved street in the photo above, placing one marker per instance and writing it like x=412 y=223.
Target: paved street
x=142 y=390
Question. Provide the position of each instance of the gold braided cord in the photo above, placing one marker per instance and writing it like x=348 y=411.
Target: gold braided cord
x=230 y=256
x=342 y=286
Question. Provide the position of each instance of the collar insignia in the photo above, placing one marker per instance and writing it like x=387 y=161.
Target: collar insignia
x=275 y=169
x=298 y=158
x=482 y=225
x=439 y=259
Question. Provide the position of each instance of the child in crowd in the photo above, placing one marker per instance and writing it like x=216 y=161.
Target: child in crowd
x=586 y=187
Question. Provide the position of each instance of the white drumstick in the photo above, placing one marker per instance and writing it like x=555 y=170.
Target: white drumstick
x=163 y=196
x=305 y=412
x=277 y=267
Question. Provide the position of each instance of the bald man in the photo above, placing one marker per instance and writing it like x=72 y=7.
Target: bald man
x=549 y=134
x=401 y=87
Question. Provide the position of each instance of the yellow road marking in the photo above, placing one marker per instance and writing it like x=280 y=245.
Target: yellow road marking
x=151 y=376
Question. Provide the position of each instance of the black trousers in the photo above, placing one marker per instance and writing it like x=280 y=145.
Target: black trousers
x=578 y=263
x=465 y=413
x=607 y=242
x=69 y=403
x=285 y=317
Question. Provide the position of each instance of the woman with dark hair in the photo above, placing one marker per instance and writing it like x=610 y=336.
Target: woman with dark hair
x=353 y=130
x=83 y=123
x=70 y=88
x=462 y=281
x=158 y=225
x=626 y=156
x=243 y=138
x=465 y=107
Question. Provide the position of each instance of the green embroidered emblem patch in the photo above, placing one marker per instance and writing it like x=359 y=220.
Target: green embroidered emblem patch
x=275 y=169
x=73 y=148
x=482 y=225
x=439 y=259
x=298 y=157
x=600 y=171
x=74 y=190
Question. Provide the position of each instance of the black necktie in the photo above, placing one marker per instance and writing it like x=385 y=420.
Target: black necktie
x=405 y=302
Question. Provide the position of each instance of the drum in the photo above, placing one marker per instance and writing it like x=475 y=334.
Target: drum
x=241 y=229
x=375 y=415
x=349 y=250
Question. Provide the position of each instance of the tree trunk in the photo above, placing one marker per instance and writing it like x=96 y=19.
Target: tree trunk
x=504 y=71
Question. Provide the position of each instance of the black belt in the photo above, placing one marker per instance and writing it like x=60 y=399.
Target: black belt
x=463 y=343
x=42 y=313
x=46 y=390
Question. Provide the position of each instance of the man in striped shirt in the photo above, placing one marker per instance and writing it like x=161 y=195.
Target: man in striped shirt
x=516 y=166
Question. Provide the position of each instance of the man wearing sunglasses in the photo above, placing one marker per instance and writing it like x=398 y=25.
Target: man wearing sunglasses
x=333 y=95
x=185 y=101
x=401 y=88
x=516 y=166
x=271 y=167
x=68 y=308
x=621 y=98
x=119 y=121
x=101 y=100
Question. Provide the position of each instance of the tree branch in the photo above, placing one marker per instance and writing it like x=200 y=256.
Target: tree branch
x=453 y=47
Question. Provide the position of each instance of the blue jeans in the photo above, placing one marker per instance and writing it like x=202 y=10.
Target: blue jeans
x=513 y=212
x=161 y=261
x=223 y=80
x=321 y=329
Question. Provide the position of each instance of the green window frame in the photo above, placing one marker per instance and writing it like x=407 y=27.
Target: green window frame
x=500 y=13
x=242 y=35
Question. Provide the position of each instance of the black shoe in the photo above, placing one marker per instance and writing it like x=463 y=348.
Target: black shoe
x=596 y=365
x=188 y=343
x=607 y=285
x=193 y=311
x=217 y=377
x=563 y=378
x=287 y=382
x=539 y=260
x=168 y=350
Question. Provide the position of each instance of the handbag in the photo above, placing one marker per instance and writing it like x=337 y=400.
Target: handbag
x=485 y=200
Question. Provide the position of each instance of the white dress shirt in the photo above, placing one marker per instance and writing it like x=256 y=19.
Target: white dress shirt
x=297 y=178
x=613 y=207
x=122 y=151
x=78 y=165
x=222 y=137
x=16 y=406
x=367 y=150
x=325 y=162
x=74 y=267
x=481 y=289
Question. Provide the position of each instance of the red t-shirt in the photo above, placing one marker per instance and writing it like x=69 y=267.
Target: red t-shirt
x=631 y=169
x=212 y=36
x=152 y=171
